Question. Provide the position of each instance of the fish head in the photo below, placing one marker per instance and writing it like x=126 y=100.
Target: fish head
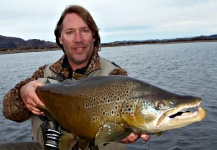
x=158 y=110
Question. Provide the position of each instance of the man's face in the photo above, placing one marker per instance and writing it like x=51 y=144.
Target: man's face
x=77 y=40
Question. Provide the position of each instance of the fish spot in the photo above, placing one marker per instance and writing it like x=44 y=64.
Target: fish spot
x=124 y=113
x=112 y=112
x=118 y=99
x=94 y=119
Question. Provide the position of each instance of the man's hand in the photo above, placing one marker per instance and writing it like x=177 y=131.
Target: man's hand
x=134 y=136
x=30 y=98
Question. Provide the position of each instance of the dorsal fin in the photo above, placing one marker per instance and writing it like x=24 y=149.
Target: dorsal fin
x=78 y=76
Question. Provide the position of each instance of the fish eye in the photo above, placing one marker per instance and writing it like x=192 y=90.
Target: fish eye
x=160 y=105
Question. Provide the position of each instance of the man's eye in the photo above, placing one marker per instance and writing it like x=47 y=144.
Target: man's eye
x=69 y=32
x=85 y=30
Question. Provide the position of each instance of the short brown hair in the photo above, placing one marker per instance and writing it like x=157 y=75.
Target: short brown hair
x=86 y=16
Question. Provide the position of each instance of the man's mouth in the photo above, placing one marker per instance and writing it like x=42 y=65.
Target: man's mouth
x=79 y=49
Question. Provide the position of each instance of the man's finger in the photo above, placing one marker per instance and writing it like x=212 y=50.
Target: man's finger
x=145 y=137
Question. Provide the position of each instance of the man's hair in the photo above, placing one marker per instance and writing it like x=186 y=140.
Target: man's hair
x=87 y=18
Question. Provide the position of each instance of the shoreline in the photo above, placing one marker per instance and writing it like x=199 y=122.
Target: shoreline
x=12 y=51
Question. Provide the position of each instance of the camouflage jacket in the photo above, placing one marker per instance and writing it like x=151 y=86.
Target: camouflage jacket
x=13 y=106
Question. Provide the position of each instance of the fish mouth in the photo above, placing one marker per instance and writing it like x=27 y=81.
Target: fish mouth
x=182 y=116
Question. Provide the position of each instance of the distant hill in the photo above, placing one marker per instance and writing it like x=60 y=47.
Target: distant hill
x=7 y=43
x=189 y=39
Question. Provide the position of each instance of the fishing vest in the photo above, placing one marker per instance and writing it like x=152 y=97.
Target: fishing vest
x=106 y=68
x=38 y=124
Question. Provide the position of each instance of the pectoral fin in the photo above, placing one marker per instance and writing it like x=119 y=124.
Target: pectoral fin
x=111 y=132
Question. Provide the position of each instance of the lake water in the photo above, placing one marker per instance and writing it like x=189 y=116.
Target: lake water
x=184 y=68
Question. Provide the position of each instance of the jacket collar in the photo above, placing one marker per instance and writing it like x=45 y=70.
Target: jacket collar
x=62 y=67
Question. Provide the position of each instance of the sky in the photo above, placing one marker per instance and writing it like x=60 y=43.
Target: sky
x=117 y=20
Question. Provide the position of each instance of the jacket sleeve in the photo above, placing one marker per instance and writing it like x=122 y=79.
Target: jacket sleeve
x=13 y=106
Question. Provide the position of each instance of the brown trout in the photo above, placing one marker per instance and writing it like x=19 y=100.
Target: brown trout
x=107 y=109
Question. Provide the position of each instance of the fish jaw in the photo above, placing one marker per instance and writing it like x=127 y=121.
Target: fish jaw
x=177 y=118
x=179 y=115
x=151 y=120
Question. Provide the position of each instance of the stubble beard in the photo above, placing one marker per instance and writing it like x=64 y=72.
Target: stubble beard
x=78 y=60
x=82 y=58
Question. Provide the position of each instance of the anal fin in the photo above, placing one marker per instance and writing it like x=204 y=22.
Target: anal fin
x=67 y=141
x=83 y=144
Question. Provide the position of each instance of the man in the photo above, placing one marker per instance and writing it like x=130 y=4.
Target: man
x=77 y=34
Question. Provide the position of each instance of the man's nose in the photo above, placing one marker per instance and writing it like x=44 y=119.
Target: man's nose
x=78 y=37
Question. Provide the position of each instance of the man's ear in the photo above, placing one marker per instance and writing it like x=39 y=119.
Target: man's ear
x=60 y=40
x=94 y=39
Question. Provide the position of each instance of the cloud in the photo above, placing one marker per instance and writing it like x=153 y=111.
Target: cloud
x=117 y=20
